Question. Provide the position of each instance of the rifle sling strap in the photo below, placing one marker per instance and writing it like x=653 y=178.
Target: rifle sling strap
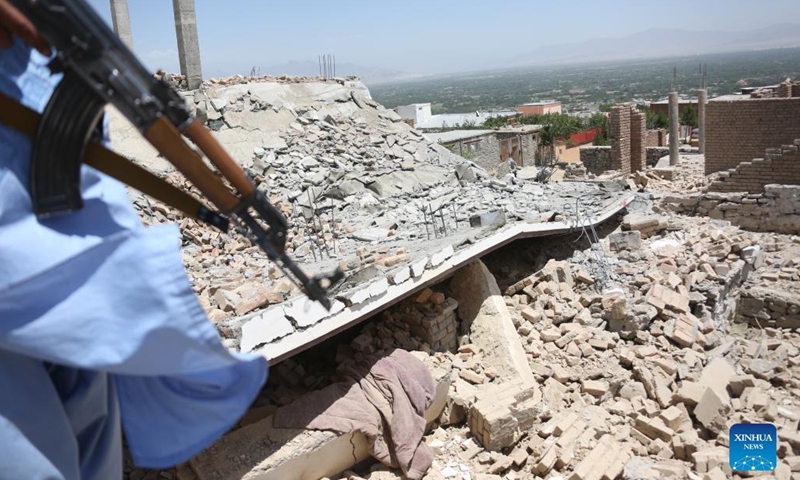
x=26 y=122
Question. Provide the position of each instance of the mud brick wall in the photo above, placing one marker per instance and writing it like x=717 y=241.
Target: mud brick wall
x=620 y=120
x=430 y=317
x=740 y=130
x=656 y=138
x=638 y=142
x=779 y=165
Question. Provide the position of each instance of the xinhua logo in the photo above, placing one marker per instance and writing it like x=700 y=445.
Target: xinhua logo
x=754 y=447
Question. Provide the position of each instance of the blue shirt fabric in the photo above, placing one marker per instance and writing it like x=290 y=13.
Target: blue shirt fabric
x=99 y=327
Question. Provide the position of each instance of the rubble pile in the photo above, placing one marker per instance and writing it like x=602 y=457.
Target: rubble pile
x=646 y=225
x=646 y=390
x=361 y=190
x=688 y=178
x=178 y=80
x=641 y=369
x=644 y=345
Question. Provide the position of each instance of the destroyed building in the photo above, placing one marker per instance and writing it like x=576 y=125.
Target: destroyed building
x=605 y=327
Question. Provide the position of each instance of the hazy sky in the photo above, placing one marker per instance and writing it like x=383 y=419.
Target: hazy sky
x=416 y=36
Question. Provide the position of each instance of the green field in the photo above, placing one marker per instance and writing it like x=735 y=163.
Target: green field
x=583 y=87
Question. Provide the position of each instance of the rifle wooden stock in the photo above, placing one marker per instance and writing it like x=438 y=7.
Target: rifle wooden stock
x=26 y=121
x=219 y=157
x=168 y=140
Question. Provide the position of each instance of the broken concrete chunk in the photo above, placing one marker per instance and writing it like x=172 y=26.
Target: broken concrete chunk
x=418 y=267
x=496 y=218
x=370 y=234
x=631 y=241
x=712 y=410
x=717 y=375
x=595 y=388
x=306 y=312
x=439 y=257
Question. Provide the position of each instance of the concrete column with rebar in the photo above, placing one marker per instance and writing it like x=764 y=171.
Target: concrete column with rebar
x=188 y=42
x=673 y=128
x=702 y=98
x=121 y=20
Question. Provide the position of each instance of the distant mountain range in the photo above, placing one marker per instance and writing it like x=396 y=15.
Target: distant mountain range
x=659 y=42
x=369 y=75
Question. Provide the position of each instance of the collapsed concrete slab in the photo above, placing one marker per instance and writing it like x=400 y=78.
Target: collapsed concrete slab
x=301 y=339
x=361 y=190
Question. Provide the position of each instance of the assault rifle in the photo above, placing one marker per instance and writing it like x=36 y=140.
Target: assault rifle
x=99 y=69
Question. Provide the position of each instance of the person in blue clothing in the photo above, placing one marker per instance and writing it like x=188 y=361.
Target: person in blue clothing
x=100 y=332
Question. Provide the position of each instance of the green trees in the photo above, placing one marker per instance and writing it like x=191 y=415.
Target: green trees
x=495 y=122
x=561 y=124
x=653 y=119
x=598 y=120
x=689 y=116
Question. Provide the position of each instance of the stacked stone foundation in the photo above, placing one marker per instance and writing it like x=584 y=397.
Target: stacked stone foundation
x=777 y=209
x=598 y=159
x=765 y=307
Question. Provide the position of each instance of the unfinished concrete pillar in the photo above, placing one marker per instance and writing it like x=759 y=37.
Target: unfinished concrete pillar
x=122 y=21
x=188 y=42
x=638 y=140
x=620 y=120
x=702 y=99
x=673 y=128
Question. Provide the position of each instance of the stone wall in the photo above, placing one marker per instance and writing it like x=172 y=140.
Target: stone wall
x=620 y=121
x=596 y=159
x=766 y=307
x=529 y=147
x=779 y=165
x=740 y=130
x=485 y=152
x=777 y=209
x=654 y=154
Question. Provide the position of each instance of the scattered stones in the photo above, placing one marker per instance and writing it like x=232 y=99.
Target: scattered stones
x=642 y=349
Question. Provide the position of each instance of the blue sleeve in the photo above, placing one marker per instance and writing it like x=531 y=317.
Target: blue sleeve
x=96 y=290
